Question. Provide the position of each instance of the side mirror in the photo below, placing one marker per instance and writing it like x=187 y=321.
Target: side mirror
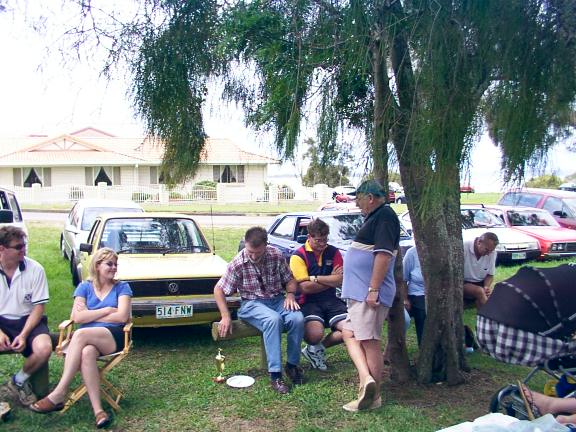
x=6 y=216
x=560 y=214
x=86 y=247
x=301 y=239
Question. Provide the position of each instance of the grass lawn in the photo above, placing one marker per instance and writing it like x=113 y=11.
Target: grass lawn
x=168 y=378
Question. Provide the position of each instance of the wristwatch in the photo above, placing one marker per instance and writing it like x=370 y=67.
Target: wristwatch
x=370 y=289
x=314 y=279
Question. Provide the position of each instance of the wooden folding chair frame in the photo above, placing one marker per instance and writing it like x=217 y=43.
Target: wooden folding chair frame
x=109 y=392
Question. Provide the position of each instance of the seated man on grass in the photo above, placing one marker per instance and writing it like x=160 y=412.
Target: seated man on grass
x=479 y=267
x=317 y=266
x=23 y=325
x=259 y=273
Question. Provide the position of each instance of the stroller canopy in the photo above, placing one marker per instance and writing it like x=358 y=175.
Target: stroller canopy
x=536 y=300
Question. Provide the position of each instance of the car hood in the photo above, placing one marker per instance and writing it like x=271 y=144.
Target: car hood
x=175 y=266
x=505 y=235
x=549 y=233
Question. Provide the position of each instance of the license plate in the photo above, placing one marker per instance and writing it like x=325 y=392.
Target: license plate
x=518 y=255
x=174 y=311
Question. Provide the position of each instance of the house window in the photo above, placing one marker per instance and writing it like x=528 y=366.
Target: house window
x=228 y=173
x=27 y=177
x=17 y=174
x=32 y=178
x=95 y=175
x=153 y=175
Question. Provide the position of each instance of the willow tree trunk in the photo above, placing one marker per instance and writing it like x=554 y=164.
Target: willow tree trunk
x=438 y=231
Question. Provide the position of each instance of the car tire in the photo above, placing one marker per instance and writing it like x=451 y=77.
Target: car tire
x=62 y=248
x=401 y=200
x=76 y=279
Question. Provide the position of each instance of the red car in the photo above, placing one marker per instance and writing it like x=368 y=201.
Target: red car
x=559 y=203
x=555 y=241
x=466 y=189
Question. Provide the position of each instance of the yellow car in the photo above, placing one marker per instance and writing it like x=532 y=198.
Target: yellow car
x=167 y=262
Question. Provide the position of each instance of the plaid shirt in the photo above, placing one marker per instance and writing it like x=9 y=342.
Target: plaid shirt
x=515 y=346
x=253 y=281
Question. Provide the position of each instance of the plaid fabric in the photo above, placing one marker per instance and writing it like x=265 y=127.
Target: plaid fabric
x=515 y=346
x=264 y=280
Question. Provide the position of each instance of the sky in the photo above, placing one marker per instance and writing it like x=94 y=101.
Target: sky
x=40 y=93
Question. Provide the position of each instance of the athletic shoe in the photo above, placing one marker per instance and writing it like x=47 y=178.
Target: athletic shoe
x=23 y=392
x=316 y=358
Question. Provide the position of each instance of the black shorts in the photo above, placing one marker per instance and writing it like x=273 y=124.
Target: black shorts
x=329 y=312
x=118 y=335
x=13 y=327
x=478 y=283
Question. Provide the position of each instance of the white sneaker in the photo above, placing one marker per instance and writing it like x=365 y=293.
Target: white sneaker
x=316 y=358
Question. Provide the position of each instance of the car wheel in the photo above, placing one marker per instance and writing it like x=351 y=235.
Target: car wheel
x=401 y=200
x=62 y=248
x=74 y=271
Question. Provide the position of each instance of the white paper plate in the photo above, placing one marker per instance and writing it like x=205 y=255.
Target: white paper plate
x=240 y=381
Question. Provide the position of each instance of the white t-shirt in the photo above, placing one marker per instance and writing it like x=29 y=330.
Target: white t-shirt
x=476 y=270
x=28 y=288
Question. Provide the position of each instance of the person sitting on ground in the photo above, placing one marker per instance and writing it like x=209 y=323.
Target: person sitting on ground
x=23 y=325
x=479 y=267
x=102 y=307
x=416 y=300
x=317 y=266
x=259 y=273
x=538 y=404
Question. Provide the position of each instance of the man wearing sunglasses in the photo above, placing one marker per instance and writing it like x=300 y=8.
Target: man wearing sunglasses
x=23 y=325
x=259 y=273
x=317 y=266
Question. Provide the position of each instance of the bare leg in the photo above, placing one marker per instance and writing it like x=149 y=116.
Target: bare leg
x=41 y=351
x=357 y=354
x=475 y=292
x=553 y=405
x=313 y=332
x=99 y=337
x=91 y=376
x=567 y=419
x=374 y=359
x=335 y=336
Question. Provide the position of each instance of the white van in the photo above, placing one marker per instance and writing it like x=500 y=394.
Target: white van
x=10 y=212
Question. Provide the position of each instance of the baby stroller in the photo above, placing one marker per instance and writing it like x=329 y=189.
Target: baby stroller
x=530 y=319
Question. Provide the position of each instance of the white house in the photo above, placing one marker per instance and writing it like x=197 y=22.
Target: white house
x=90 y=156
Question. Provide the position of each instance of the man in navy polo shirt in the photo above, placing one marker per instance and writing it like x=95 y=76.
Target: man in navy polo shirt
x=369 y=288
x=23 y=325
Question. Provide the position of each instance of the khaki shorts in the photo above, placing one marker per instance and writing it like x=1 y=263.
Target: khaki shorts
x=364 y=321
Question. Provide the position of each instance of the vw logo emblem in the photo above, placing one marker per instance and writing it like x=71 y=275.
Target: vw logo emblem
x=173 y=287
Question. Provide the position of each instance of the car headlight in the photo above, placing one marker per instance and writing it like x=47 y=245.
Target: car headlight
x=534 y=245
x=500 y=248
x=558 y=247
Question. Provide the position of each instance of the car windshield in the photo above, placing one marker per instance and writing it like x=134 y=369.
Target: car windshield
x=153 y=236
x=479 y=218
x=343 y=228
x=530 y=218
x=91 y=213
x=571 y=202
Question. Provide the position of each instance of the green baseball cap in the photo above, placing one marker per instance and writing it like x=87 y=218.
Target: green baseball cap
x=370 y=187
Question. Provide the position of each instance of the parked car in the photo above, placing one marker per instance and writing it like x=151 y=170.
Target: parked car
x=289 y=230
x=513 y=246
x=555 y=241
x=9 y=204
x=168 y=263
x=79 y=222
x=559 y=203
x=466 y=189
x=400 y=198
x=568 y=187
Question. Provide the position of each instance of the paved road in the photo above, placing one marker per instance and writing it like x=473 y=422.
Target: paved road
x=204 y=220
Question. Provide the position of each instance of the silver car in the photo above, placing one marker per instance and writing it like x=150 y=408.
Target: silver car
x=78 y=224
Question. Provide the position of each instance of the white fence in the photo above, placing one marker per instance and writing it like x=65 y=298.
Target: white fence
x=160 y=194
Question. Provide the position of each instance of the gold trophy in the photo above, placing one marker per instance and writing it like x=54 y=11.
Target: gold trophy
x=220 y=359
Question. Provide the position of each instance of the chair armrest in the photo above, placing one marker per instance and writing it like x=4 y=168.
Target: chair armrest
x=65 y=335
x=128 y=336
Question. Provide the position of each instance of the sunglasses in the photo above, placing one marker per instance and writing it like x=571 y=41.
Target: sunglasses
x=18 y=247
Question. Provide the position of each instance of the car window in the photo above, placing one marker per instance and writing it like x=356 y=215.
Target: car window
x=569 y=207
x=530 y=218
x=93 y=232
x=552 y=205
x=153 y=235
x=479 y=218
x=343 y=228
x=91 y=213
x=520 y=199
x=15 y=208
x=285 y=229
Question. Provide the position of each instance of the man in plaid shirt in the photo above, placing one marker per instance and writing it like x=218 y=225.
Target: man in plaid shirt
x=259 y=273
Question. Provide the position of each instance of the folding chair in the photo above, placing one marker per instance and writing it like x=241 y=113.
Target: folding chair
x=106 y=362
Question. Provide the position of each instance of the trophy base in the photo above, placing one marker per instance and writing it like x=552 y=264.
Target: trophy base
x=219 y=379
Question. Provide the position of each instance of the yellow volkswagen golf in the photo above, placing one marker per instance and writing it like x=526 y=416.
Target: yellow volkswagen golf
x=167 y=262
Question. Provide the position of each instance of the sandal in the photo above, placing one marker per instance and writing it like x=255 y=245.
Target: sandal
x=45 y=406
x=532 y=410
x=102 y=419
